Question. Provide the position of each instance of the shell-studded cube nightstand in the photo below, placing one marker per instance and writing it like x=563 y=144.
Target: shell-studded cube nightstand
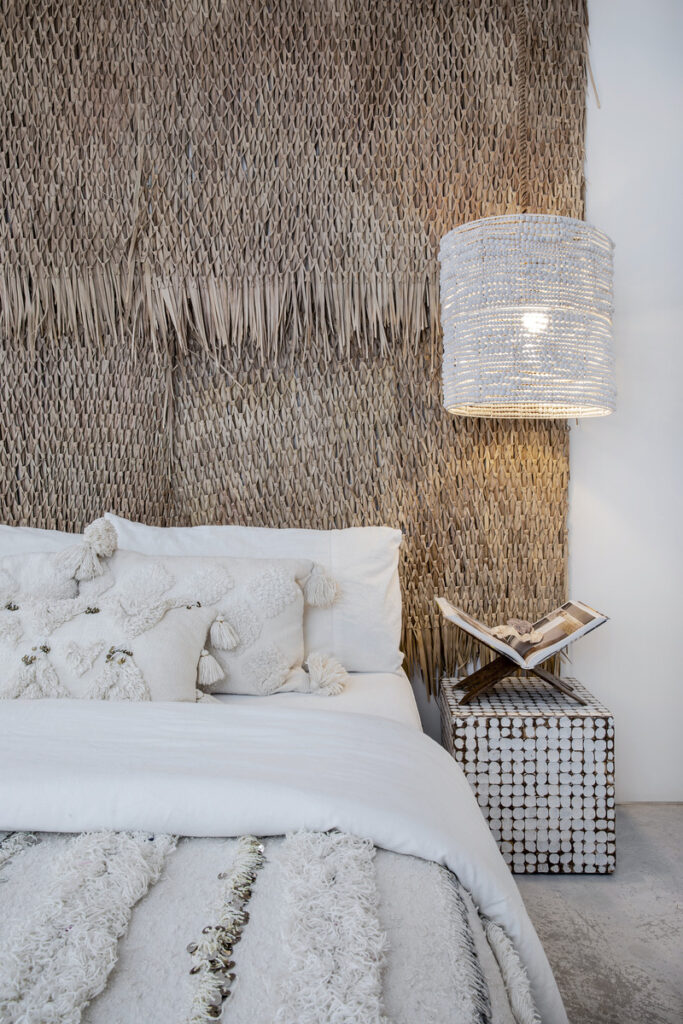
x=542 y=770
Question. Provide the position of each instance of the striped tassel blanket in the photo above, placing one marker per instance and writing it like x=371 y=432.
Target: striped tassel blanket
x=315 y=928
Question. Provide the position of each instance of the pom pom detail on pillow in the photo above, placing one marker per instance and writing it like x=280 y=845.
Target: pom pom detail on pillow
x=320 y=590
x=326 y=675
x=82 y=561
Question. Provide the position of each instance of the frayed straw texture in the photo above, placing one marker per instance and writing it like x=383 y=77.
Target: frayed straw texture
x=225 y=306
x=60 y=959
x=267 y=177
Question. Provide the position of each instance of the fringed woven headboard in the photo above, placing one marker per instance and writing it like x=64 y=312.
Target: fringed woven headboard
x=219 y=283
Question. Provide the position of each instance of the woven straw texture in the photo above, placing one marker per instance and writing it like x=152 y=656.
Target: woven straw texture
x=526 y=309
x=219 y=273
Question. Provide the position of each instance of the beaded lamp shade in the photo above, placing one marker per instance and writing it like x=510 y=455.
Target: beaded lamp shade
x=526 y=310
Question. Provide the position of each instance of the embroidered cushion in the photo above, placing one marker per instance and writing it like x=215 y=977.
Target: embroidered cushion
x=256 y=642
x=69 y=639
x=363 y=626
x=93 y=621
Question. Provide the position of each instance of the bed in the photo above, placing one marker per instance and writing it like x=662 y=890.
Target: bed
x=285 y=858
x=384 y=694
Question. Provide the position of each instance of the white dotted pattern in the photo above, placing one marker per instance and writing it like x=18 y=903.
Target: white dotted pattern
x=542 y=769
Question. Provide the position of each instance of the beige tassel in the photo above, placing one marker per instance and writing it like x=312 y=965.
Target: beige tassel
x=101 y=536
x=209 y=672
x=205 y=698
x=223 y=635
x=326 y=675
x=82 y=561
x=320 y=589
x=79 y=562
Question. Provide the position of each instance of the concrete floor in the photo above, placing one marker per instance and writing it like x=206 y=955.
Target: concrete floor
x=615 y=942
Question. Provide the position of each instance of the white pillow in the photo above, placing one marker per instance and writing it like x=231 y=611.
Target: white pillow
x=256 y=642
x=15 y=540
x=362 y=629
x=80 y=646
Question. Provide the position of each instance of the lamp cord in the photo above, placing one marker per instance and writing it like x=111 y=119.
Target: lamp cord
x=522 y=64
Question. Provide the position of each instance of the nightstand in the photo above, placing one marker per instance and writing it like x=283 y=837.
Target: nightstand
x=542 y=770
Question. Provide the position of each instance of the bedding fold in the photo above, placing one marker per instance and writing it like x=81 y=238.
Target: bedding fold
x=209 y=770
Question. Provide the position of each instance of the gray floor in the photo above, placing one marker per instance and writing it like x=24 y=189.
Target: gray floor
x=615 y=942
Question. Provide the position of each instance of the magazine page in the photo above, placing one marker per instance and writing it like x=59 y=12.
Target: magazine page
x=479 y=631
x=559 y=629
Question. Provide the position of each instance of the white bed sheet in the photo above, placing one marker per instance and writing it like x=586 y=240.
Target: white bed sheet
x=385 y=694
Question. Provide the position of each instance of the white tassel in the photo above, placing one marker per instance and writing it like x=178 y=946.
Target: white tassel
x=78 y=562
x=205 y=698
x=102 y=538
x=209 y=671
x=223 y=635
x=326 y=675
x=82 y=561
x=320 y=589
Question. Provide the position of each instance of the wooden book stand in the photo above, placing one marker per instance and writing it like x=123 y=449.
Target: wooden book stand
x=487 y=676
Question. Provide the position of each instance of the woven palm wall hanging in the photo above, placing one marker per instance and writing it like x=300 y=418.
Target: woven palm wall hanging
x=219 y=278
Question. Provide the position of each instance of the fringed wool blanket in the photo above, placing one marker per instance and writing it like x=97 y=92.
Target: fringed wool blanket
x=107 y=928
x=326 y=931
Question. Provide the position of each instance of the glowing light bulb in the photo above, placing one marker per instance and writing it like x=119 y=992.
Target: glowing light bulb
x=534 y=323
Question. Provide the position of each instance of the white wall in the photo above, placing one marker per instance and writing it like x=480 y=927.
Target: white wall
x=626 y=497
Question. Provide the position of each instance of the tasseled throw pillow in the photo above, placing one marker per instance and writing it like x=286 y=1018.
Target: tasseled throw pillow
x=256 y=640
x=62 y=633
x=92 y=621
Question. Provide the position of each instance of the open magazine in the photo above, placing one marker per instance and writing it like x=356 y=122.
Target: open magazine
x=558 y=629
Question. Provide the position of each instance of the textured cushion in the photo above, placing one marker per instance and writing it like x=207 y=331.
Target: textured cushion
x=362 y=628
x=82 y=645
x=256 y=642
x=90 y=620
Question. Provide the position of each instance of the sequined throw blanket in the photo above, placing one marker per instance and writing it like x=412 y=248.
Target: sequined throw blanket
x=111 y=927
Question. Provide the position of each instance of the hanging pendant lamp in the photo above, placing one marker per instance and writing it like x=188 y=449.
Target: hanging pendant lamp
x=526 y=311
x=526 y=301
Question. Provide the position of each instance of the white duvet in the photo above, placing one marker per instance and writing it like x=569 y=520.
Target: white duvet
x=213 y=770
